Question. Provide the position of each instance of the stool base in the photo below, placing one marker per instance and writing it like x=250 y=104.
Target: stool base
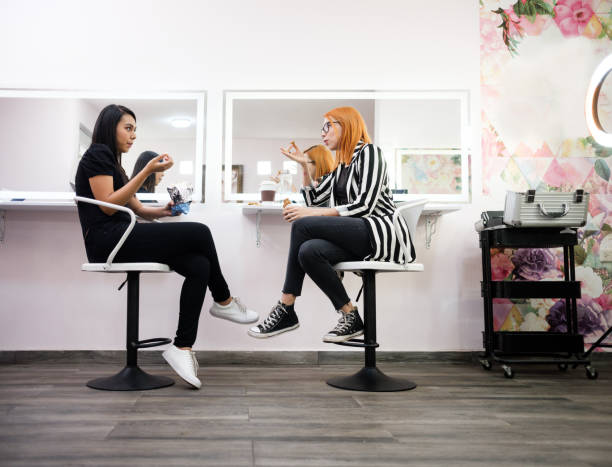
x=131 y=378
x=371 y=379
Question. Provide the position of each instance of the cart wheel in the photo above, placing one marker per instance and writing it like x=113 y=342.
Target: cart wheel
x=508 y=373
x=591 y=372
x=486 y=364
x=562 y=366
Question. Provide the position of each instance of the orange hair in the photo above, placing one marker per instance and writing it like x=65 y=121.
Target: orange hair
x=353 y=130
x=322 y=158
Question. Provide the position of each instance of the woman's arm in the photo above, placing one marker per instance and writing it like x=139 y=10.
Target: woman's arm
x=148 y=212
x=103 y=190
x=294 y=212
x=314 y=195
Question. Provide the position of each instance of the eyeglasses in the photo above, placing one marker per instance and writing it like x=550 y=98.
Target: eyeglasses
x=327 y=126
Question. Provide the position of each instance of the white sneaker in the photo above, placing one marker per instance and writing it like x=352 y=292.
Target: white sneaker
x=184 y=363
x=235 y=311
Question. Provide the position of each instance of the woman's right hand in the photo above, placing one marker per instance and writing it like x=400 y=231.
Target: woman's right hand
x=159 y=164
x=297 y=156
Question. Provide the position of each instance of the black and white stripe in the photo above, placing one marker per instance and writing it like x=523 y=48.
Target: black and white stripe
x=369 y=197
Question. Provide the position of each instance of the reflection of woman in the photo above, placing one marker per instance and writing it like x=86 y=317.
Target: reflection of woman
x=320 y=162
x=358 y=225
x=148 y=186
x=187 y=247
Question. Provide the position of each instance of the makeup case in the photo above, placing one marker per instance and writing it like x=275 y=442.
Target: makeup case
x=546 y=209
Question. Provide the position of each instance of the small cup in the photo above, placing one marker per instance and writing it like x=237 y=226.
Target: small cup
x=267 y=190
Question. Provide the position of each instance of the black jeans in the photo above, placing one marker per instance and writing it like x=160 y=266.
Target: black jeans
x=187 y=247
x=317 y=243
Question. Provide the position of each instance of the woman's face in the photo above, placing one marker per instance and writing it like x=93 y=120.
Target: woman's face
x=126 y=133
x=331 y=133
x=311 y=166
x=158 y=177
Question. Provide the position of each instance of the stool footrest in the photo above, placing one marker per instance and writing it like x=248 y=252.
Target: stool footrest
x=357 y=343
x=156 y=341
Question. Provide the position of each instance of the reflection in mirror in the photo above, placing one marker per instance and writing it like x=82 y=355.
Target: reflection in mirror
x=424 y=137
x=261 y=126
x=44 y=134
x=604 y=104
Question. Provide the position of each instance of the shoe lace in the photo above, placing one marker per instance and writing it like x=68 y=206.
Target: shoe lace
x=274 y=316
x=196 y=366
x=241 y=306
x=344 y=323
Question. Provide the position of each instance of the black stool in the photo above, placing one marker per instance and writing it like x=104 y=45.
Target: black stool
x=132 y=377
x=370 y=378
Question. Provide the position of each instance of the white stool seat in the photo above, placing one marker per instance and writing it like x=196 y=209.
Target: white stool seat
x=381 y=266
x=125 y=267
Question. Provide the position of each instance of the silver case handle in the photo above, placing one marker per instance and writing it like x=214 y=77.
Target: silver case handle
x=545 y=213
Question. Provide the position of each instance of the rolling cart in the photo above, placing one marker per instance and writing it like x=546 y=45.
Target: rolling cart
x=518 y=347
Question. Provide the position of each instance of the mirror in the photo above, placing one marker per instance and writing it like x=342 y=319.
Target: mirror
x=424 y=137
x=44 y=134
x=604 y=104
x=598 y=102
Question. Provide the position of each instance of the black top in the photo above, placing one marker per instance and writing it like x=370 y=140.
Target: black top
x=340 y=187
x=97 y=160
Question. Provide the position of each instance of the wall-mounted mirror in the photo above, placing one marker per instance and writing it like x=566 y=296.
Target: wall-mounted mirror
x=44 y=134
x=424 y=136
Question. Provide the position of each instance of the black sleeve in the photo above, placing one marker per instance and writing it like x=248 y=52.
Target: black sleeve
x=98 y=160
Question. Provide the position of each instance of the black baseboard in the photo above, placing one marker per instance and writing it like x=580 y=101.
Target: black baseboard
x=229 y=357
x=213 y=357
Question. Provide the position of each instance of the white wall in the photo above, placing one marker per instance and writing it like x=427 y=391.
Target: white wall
x=47 y=303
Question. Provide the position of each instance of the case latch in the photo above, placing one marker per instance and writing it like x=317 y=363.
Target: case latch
x=530 y=196
x=579 y=196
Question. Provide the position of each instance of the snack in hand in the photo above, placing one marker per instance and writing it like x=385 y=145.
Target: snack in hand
x=180 y=194
x=286 y=201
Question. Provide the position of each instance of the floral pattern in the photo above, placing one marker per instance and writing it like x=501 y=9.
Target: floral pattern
x=431 y=173
x=517 y=36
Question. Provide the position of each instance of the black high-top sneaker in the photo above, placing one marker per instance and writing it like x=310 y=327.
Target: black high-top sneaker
x=281 y=319
x=349 y=326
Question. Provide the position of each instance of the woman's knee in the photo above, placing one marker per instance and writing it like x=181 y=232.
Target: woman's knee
x=308 y=254
x=197 y=234
x=300 y=225
x=192 y=266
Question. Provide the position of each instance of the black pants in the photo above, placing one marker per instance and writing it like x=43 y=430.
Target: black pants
x=187 y=247
x=317 y=243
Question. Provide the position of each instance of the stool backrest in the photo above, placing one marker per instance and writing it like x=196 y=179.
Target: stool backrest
x=410 y=212
x=81 y=199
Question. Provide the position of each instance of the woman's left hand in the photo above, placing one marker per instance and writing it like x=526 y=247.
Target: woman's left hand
x=294 y=212
x=167 y=209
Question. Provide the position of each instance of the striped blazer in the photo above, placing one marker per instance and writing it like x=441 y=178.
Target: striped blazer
x=369 y=197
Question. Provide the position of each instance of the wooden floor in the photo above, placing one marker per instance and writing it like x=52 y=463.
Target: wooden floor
x=286 y=415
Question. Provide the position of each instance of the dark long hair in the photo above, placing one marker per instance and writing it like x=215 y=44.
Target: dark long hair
x=105 y=130
x=149 y=184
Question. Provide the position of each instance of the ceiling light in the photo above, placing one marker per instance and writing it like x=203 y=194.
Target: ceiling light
x=180 y=122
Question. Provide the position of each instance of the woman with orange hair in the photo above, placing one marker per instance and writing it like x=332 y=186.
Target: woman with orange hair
x=357 y=225
x=320 y=162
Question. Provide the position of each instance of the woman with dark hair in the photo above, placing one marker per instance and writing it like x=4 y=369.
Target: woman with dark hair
x=148 y=186
x=187 y=247
x=357 y=225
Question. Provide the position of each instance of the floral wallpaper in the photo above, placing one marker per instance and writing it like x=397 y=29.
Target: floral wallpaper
x=537 y=57
x=431 y=173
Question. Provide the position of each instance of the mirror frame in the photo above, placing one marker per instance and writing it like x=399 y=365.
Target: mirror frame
x=592 y=98
x=198 y=97
x=463 y=96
